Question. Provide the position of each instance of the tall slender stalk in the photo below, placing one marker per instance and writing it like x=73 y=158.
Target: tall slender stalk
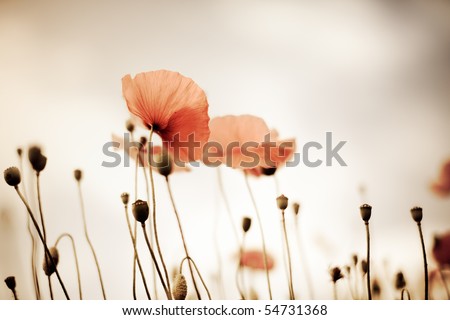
x=444 y=282
x=198 y=273
x=369 y=291
x=239 y=270
x=86 y=234
x=262 y=234
x=182 y=236
x=41 y=237
x=288 y=251
x=425 y=264
x=227 y=204
x=80 y=292
x=303 y=259
x=155 y=228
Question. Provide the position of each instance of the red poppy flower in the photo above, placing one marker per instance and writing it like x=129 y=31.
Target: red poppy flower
x=174 y=106
x=442 y=185
x=254 y=259
x=441 y=249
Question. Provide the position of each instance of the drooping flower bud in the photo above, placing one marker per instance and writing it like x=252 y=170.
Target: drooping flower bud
x=12 y=176
x=366 y=212
x=179 y=290
x=140 y=210
x=282 y=202
x=336 y=274
x=355 y=259
x=19 y=152
x=78 y=174
x=296 y=207
x=11 y=283
x=364 y=266
x=47 y=265
x=125 y=198
x=417 y=214
x=376 y=288
x=246 y=224
x=129 y=125
x=37 y=159
x=400 y=281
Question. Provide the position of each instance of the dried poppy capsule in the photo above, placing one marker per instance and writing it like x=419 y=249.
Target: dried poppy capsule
x=268 y=171
x=11 y=283
x=296 y=207
x=129 y=125
x=47 y=265
x=37 y=159
x=364 y=266
x=417 y=214
x=336 y=274
x=366 y=212
x=78 y=174
x=400 y=281
x=282 y=202
x=140 y=210
x=179 y=290
x=246 y=223
x=12 y=176
x=125 y=198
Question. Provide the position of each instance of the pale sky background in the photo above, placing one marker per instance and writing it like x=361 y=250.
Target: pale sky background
x=375 y=73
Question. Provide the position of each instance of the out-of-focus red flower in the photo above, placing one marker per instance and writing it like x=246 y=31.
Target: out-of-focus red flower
x=254 y=259
x=174 y=106
x=441 y=249
x=442 y=185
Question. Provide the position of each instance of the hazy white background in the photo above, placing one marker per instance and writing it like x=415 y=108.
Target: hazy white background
x=375 y=73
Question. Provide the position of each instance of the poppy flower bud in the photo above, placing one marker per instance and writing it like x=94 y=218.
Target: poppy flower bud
x=417 y=214
x=78 y=174
x=12 y=176
x=162 y=163
x=179 y=290
x=282 y=202
x=336 y=274
x=364 y=266
x=400 y=281
x=129 y=125
x=366 y=212
x=37 y=159
x=19 y=152
x=246 y=223
x=140 y=210
x=296 y=207
x=268 y=171
x=125 y=198
x=47 y=265
x=355 y=259
x=40 y=163
x=143 y=142
x=11 y=283
x=376 y=288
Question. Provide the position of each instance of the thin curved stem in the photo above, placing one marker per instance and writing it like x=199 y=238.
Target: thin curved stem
x=44 y=233
x=198 y=273
x=335 y=294
x=161 y=278
x=136 y=255
x=41 y=237
x=227 y=205
x=262 y=233
x=155 y=228
x=425 y=264
x=408 y=296
x=444 y=282
x=135 y=222
x=369 y=291
x=68 y=235
x=291 y=286
x=239 y=270
x=83 y=213
x=303 y=259
x=182 y=237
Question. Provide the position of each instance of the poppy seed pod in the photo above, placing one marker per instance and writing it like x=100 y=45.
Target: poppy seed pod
x=140 y=210
x=179 y=290
x=282 y=202
x=12 y=176
x=417 y=214
x=268 y=171
x=125 y=198
x=336 y=274
x=246 y=223
x=366 y=212
x=47 y=265
x=364 y=266
x=78 y=174
x=400 y=281
x=296 y=207
x=11 y=283
x=129 y=125
x=37 y=159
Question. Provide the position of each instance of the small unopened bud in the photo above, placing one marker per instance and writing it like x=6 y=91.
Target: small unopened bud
x=78 y=174
x=336 y=274
x=11 y=283
x=282 y=202
x=355 y=259
x=417 y=214
x=400 y=281
x=366 y=212
x=296 y=207
x=129 y=125
x=19 y=152
x=34 y=153
x=162 y=163
x=125 y=198
x=376 y=288
x=140 y=210
x=246 y=223
x=37 y=159
x=179 y=290
x=268 y=171
x=364 y=266
x=47 y=265
x=12 y=176
x=143 y=142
